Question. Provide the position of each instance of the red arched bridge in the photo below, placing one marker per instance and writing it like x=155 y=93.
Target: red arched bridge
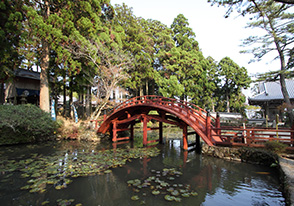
x=168 y=110
x=182 y=114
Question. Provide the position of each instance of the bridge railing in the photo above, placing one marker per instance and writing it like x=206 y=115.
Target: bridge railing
x=255 y=137
x=190 y=108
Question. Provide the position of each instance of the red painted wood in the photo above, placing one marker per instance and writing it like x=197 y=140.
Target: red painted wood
x=122 y=138
x=145 y=131
x=185 y=137
x=114 y=131
x=181 y=111
x=152 y=141
x=208 y=126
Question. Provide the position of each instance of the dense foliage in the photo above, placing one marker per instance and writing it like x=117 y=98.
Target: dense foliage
x=24 y=124
x=92 y=47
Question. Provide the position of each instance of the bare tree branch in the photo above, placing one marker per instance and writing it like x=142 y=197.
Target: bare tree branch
x=111 y=65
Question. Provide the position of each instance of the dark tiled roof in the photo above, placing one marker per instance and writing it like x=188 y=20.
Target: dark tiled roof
x=272 y=91
x=27 y=74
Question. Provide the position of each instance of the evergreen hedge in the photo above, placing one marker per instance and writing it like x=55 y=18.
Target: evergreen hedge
x=25 y=124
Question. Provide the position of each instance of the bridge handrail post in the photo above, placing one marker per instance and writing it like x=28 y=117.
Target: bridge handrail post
x=208 y=126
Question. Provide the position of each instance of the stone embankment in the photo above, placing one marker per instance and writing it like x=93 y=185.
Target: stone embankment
x=287 y=166
x=261 y=157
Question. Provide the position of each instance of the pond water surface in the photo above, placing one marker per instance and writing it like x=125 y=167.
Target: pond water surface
x=171 y=178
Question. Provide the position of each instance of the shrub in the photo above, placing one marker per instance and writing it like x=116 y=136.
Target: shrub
x=25 y=124
x=275 y=146
x=258 y=156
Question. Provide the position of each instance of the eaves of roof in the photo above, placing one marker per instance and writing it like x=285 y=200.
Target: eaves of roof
x=272 y=91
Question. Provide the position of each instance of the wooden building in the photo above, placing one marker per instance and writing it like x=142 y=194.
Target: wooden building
x=25 y=88
x=269 y=96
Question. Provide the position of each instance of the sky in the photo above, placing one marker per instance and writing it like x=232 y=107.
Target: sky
x=217 y=36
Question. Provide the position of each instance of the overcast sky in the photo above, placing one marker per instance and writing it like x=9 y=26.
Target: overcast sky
x=217 y=36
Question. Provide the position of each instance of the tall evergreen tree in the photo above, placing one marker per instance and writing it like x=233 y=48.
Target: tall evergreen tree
x=139 y=44
x=10 y=34
x=185 y=62
x=49 y=25
x=233 y=80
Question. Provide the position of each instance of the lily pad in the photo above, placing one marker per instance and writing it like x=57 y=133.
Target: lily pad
x=155 y=192
x=135 y=197
x=175 y=193
x=194 y=193
x=185 y=195
x=169 y=198
x=45 y=202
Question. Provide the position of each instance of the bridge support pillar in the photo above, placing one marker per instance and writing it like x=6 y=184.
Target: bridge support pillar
x=145 y=131
x=114 y=132
x=185 y=137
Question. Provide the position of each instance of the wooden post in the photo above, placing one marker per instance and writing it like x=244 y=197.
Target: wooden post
x=160 y=133
x=266 y=121
x=208 y=126
x=185 y=137
x=244 y=134
x=114 y=131
x=145 y=131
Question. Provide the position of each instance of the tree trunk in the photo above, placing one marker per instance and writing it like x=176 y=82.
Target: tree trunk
x=70 y=110
x=228 y=101
x=286 y=98
x=282 y=75
x=147 y=87
x=44 y=82
x=88 y=101
x=64 y=96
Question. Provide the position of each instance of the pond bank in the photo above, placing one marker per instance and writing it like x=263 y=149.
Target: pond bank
x=262 y=157
x=287 y=166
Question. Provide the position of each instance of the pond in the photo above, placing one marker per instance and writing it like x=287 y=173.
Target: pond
x=72 y=173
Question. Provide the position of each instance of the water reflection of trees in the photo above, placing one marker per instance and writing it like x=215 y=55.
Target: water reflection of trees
x=213 y=174
x=206 y=175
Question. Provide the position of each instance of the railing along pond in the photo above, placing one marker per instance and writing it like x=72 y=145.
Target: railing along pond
x=254 y=137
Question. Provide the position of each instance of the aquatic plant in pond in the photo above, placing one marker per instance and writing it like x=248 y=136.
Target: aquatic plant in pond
x=162 y=183
x=59 y=169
